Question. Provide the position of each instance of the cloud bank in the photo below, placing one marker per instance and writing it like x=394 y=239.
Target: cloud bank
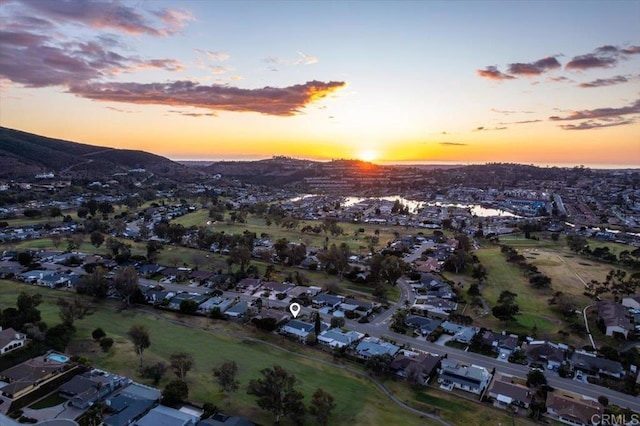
x=286 y=101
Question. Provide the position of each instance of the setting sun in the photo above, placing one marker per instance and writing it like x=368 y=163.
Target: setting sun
x=368 y=155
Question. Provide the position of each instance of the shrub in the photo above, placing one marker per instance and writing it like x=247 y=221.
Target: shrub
x=98 y=334
x=106 y=343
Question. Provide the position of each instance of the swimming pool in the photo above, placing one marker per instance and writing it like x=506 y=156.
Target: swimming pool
x=58 y=358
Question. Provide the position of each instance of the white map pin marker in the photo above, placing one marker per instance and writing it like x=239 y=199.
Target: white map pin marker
x=295 y=309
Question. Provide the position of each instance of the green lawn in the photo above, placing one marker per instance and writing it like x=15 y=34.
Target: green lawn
x=534 y=308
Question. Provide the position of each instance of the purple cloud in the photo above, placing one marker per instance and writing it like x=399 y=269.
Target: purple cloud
x=601 y=82
x=588 y=61
x=285 y=101
x=599 y=117
x=492 y=73
x=109 y=15
x=602 y=57
x=486 y=129
x=36 y=60
x=534 y=68
x=600 y=113
x=589 y=125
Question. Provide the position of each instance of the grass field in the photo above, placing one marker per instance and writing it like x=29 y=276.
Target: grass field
x=534 y=309
x=451 y=408
x=568 y=271
x=356 y=240
x=359 y=402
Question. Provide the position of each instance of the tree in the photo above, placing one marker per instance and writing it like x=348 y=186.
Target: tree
x=322 y=403
x=479 y=273
x=154 y=372
x=227 y=376
x=71 y=311
x=240 y=255
x=175 y=392
x=154 y=247
x=126 y=282
x=188 y=306
x=98 y=334
x=474 y=290
x=96 y=239
x=536 y=379
x=379 y=364
x=94 y=284
x=139 y=335
x=540 y=281
x=603 y=400
x=576 y=243
x=276 y=393
x=25 y=312
x=380 y=293
x=337 y=322
x=59 y=336
x=25 y=258
x=317 y=325
x=506 y=309
x=181 y=363
x=106 y=343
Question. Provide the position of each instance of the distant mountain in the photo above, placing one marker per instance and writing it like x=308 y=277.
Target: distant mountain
x=27 y=154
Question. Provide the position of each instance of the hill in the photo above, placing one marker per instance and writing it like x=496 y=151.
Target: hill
x=26 y=154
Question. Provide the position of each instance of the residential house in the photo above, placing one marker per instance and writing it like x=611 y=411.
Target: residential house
x=461 y=333
x=593 y=365
x=158 y=296
x=166 y=416
x=299 y=290
x=547 y=353
x=215 y=302
x=84 y=390
x=10 y=271
x=350 y=305
x=149 y=270
x=336 y=338
x=224 y=420
x=573 y=409
x=275 y=287
x=34 y=276
x=632 y=302
x=423 y=325
x=249 y=284
x=278 y=316
x=504 y=343
x=30 y=375
x=506 y=391
x=239 y=310
x=175 y=302
x=11 y=340
x=371 y=346
x=434 y=306
x=300 y=329
x=470 y=378
x=423 y=365
x=175 y=274
x=615 y=319
x=201 y=276
x=326 y=300
x=130 y=404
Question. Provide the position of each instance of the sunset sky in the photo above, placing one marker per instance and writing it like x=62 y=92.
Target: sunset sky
x=404 y=81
